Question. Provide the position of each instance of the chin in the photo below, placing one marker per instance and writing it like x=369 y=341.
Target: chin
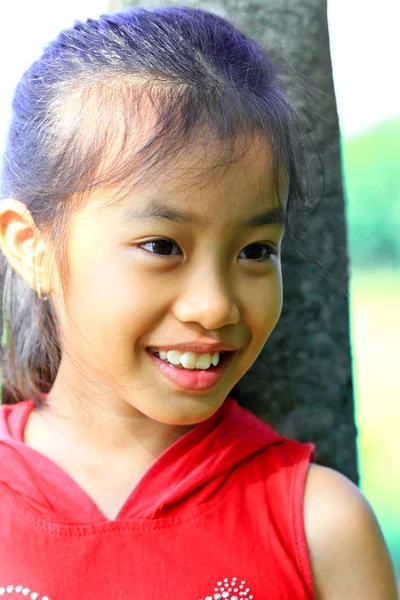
x=185 y=411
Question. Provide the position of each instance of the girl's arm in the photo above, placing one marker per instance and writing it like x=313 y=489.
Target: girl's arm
x=348 y=555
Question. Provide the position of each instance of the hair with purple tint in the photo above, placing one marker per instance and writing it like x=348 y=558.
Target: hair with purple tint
x=94 y=83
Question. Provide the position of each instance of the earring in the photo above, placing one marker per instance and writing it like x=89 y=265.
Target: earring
x=44 y=296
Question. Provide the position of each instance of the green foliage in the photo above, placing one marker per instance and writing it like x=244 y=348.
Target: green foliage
x=375 y=334
x=372 y=183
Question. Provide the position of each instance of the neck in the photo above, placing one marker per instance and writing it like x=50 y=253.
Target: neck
x=107 y=424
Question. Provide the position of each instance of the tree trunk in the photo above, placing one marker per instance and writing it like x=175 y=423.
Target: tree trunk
x=302 y=383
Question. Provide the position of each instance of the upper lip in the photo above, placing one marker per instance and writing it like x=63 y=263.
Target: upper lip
x=201 y=347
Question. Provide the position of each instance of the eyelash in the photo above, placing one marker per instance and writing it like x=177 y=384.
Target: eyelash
x=271 y=250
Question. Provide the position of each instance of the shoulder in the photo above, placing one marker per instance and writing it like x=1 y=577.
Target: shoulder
x=348 y=555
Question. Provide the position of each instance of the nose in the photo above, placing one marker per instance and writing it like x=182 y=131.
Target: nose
x=207 y=298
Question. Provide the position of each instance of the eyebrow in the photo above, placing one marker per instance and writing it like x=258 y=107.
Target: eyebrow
x=154 y=210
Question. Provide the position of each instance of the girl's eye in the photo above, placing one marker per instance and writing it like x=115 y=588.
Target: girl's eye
x=164 y=247
x=259 y=252
x=161 y=246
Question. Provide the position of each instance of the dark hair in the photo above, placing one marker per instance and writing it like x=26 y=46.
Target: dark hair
x=199 y=75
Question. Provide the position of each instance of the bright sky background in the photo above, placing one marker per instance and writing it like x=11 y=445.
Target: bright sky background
x=365 y=49
x=364 y=42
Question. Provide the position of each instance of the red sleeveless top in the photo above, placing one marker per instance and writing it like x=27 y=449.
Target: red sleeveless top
x=219 y=515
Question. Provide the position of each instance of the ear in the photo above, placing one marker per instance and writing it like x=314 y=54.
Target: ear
x=23 y=244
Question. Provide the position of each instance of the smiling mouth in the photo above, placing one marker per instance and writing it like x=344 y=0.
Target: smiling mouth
x=223 y=355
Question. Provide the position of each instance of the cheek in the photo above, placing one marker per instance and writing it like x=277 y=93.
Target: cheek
x=114 y=303
x=265 y=306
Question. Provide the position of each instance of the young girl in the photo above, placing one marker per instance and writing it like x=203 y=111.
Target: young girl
x=148 y=180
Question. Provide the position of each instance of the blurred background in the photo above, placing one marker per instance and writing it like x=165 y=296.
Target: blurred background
x=365 y=51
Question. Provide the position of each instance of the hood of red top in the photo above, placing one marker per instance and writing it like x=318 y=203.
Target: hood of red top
x=187 y=474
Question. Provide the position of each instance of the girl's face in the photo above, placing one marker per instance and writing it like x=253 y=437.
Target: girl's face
x=176 y=262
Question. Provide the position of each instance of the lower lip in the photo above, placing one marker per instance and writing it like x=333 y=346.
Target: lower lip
x=194 y=380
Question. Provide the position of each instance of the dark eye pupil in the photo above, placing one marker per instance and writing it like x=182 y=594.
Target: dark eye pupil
x=162 y=246
x=255 y=251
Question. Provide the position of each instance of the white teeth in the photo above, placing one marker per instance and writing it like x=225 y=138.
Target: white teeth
x=188 y=360
x=215 y=359
x=174 y=357
x=204 y=361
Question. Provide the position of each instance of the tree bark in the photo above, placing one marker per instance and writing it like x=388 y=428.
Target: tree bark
x=302 y=381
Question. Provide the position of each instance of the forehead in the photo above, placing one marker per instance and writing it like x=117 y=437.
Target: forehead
x=125 y=154
x=208 y=168
x=208 y=180
x=212 y=163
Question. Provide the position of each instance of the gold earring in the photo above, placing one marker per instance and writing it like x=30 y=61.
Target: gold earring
x=44 y=296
